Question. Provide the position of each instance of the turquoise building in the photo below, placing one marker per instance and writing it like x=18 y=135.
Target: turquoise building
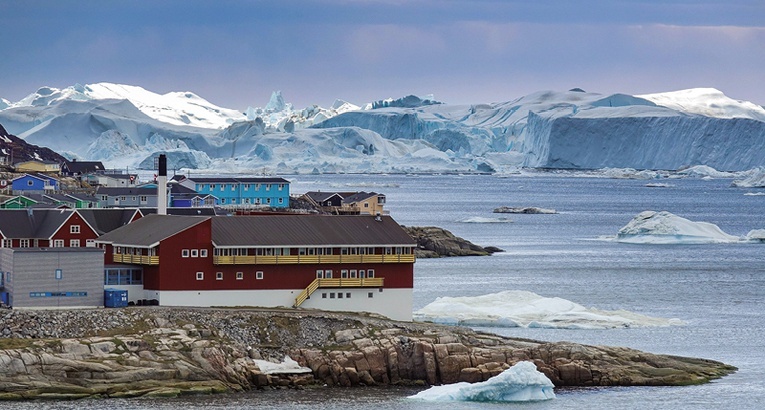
x=230 y=191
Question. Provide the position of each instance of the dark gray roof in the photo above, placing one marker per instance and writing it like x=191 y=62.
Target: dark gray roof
x=117 y=191
x=60 y=198
x=78 y=167
x=82 y=197
x=357 y=196
x=176 y=188
x=149 y=230
x=32 y=223
x=248 y=180
x=307 y=230
x=320 y=197
x=107 y=219
x=205 y=211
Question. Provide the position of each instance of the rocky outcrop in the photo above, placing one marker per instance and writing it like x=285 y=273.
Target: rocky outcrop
x=156 y=351
x=523 y=210
x=434 y=242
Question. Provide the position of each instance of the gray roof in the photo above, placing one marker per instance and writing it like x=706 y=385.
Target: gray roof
x=117 y=191
x=107 y=219
x=357 y=196
x=203 y=211
x=149 y=230
x=249 y=180
x=320 y=197
x=308 y=230
x=32 y=223
x=82 y=197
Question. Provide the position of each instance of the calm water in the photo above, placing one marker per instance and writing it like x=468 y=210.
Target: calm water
x=716 y=289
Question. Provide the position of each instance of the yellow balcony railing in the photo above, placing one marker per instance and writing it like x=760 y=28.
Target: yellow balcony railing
x=310 y=259
x=136 y=259
x=337 y=283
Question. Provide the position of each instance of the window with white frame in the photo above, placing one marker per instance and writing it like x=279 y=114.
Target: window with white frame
x=203 y=253
x=328 y=273
x=259 y=275
x=74 y=229
x=74 y=243
x=344 y=273
x=233 y=187
x=239 y=275
x=184 y=253
x=268 y=201
x=280 y=186
x=30 y=182
x=281 y=200
x=218 y=275
x=24 y=243
x=200 y=275
x=370 y=273
x=144 y=199
x=58 y=243
x=362 y=273
x=246 y=187
x=90 y=243
x=353 y=273
x=319 y=274
x=195 y=253
x=268 y=187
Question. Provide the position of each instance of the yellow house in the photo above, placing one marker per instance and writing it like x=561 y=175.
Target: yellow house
x=364 y=203
x=35 y=165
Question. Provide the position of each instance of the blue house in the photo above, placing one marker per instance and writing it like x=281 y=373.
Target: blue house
x=36 y=183
x=243 y=192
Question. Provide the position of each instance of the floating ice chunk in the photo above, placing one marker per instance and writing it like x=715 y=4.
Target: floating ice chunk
x=517 y=308
x=483 y=220
x=666 y=228
x=754 y=194
x=288 y=366
x=756 y=179
x=657 y=185
x=704 y=171
x=756 y=235
x=521 y=382
x=523 y=210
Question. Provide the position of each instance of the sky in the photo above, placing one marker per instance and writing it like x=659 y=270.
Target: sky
x=234 y=53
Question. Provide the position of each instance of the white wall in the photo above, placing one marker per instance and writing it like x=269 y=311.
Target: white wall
x=393 y=303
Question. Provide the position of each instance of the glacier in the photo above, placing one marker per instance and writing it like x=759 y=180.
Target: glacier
x=520 y=383
x=518 y=308
x=680 y=130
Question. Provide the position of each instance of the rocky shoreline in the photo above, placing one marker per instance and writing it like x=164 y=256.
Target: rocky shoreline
x=435 y=242
x=167 y=352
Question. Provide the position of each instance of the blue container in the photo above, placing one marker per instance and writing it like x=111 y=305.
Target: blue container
x=115 y=298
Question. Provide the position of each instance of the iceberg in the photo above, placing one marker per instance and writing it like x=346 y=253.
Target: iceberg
x=650 y=227
x=756 y=235
x=523 y=210
x=520 y=383
x=483 y=220
x=756 y=179
x=517 y=308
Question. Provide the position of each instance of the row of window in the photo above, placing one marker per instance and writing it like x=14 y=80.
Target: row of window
x=194 y=253
x=339 y=295
x=143 y=198
x=234 y=187
x=389 y=250
x=239 y=275
x=345 y=273
x=123 y=276
x=57 y=243
x=254 y=201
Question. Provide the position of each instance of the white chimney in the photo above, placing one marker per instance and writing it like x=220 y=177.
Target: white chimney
x=162 y=185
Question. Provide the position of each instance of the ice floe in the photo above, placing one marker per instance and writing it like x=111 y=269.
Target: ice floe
x=755 y=179
x=484 y=220
x=650 y=227
x=657 y=185
x=520 y=383
x=517 y=308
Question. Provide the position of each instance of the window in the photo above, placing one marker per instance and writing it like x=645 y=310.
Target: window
x=212 y=186
x=144 y=199
x=281 y=200
x=239 y=275
x=268 y=187
x=259 y=275
x=362 y=273
x=344 y=273
x=246 y=187
x=233 y=187
x=268 y=200
x=366 y=204
x=323 y=295
x=353 y=273
x=246 y=200
x=184 y=253
x=90 y=243
x=74 y=229
x=24 y=243
x=370 y=273
x=222 y=187
x=123 y=198
x=218 y=275
x=8 y=243
x=319 y=274
x=340 y=295
x=104 y=197
x=200 y=275
x=132 y=198
x=58 y=243
x=195 y=253
x=332 y=295
x=348 y=295
x=203 y=253
x=223 y=200
x=280 y=186
x=370 y=295
x=328 y=274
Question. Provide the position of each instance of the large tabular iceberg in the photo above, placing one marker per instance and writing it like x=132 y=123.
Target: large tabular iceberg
x=650 y=227
x=522 y=382
x=517 y=308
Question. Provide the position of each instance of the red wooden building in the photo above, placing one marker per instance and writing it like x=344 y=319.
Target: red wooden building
x=349 y=263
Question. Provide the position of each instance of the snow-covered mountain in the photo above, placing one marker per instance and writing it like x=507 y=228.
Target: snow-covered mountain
x=126 y=125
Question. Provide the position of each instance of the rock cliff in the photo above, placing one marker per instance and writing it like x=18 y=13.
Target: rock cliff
x=172 y=351
x=434 y=242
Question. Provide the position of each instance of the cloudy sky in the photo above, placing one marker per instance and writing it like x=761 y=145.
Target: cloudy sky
x=236 y=52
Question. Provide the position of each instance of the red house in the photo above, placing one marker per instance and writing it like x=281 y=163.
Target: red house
x=349 y=263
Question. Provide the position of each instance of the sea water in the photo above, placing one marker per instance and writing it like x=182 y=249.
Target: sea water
x=717 y=290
